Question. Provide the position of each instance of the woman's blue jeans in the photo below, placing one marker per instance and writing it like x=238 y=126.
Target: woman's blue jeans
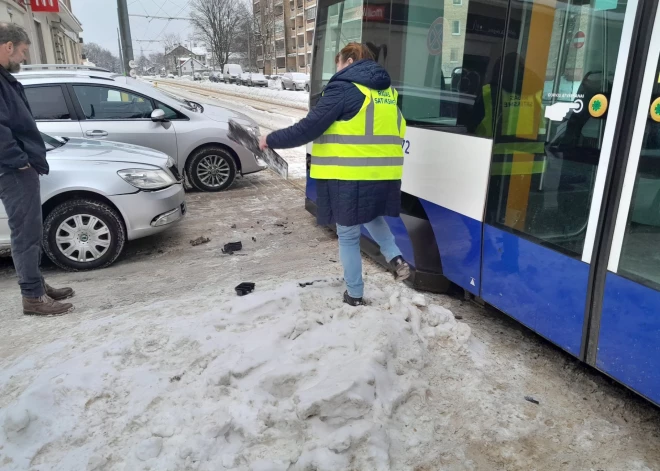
x=351 y=258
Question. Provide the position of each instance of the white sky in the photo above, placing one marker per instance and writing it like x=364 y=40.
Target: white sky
x=99 y=21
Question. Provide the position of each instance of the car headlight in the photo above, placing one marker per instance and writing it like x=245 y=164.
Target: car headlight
x=147 y=179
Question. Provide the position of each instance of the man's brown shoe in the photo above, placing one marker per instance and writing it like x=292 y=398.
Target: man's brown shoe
x=58 y=294
x=45 y=306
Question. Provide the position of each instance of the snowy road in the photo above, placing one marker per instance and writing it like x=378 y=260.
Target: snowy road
x=163 y=367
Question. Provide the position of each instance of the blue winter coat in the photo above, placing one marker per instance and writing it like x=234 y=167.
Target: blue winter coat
x=340 y=201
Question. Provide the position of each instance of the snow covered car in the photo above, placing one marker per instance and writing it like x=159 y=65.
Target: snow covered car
x=244 y=79
x=100 y=194
x=257 y=80
x=295 y=81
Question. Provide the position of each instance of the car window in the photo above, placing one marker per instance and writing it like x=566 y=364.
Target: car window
x=111 y=103
x=47 y=102
x=169 y=112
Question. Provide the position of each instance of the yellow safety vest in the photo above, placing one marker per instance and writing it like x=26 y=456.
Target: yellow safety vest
x=366 y=147
x=520 y=122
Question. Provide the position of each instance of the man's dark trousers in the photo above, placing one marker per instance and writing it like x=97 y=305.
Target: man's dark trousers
x=20 y=194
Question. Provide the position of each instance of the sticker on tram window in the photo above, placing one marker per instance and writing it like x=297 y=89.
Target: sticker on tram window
x=405 y=145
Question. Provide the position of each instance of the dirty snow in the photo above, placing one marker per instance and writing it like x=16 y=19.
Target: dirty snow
x=297 y=99
x=288 y=379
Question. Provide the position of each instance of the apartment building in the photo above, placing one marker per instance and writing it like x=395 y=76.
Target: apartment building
x=286 y=33
x=55 y=36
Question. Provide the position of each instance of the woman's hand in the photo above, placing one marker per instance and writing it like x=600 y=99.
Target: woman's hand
x=262 y=143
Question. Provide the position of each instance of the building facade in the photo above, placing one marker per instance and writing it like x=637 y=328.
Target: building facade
x=286 y=32
x=55 y=37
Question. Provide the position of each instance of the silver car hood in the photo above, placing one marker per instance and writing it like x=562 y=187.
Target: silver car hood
x=107 y=151
x=223 y=115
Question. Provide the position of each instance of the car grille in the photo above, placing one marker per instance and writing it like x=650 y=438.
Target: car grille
x=175 y=172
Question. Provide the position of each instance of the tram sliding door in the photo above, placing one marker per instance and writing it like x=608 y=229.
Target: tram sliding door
x=628 y=346
x=560 y=86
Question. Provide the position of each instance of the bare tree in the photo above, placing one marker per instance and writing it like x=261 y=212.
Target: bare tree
x=264 y=27
x=218 y=22
x=170 y=41
x=157 y=59
x=101 y=57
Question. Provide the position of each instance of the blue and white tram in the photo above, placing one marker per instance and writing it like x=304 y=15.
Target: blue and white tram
x=532 y=160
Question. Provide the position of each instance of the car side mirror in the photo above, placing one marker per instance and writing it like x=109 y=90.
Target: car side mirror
x=158 y=115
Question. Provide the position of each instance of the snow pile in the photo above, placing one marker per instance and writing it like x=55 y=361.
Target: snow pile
x=297 y=99
x=289 y=379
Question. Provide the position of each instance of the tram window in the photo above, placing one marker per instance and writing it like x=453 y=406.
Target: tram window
x=438 y=54
x=640 y=255
x=548 y=121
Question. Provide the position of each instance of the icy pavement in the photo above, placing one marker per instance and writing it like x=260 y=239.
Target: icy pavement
x=287 y=379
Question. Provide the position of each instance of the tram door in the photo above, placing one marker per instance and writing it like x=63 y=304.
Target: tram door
x=558 y=91
x=628 y=330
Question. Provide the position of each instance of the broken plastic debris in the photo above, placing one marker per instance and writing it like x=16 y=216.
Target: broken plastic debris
x=245 y=288
x=199 y=241
x=232 y=247
x=532 y=400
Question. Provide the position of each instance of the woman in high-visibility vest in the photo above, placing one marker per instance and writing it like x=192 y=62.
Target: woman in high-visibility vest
x=357 y=160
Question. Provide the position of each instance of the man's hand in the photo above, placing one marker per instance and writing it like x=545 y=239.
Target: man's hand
x=262 y=143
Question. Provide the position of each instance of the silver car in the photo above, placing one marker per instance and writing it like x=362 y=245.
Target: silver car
x=257 y=80
x=103 y=105
x=295 y=81
x=98 y=195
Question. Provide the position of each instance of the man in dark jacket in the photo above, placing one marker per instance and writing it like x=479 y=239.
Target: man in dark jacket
x=351 y=203
x=22 y=161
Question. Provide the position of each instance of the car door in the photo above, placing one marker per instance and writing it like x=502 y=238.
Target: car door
x=53 y=110
x=117 y=114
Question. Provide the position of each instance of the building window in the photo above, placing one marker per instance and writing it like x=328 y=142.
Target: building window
x=453 y=55
x=311 y=13
x=456 y=27
x=458 y=2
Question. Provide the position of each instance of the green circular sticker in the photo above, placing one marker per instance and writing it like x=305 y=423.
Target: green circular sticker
x=598 y=105
x=655 y=110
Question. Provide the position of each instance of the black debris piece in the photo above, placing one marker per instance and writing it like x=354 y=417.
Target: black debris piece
x=287 y=232
x=199 y=241
x=176 y=378
x=532 y=400
x=232 y=247
x=233 y=226
x=458 y=318
x=254 y=239
x=245 y=288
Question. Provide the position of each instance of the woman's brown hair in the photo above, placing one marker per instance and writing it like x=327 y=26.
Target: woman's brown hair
x=355 y=51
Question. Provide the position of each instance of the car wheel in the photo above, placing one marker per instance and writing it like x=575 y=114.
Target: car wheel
x=307 y=88
x=283 y=87
x=83 y=234
x=212 y=169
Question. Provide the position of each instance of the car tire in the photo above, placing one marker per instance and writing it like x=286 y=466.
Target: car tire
x=109 y=227
x=307 y=88
x=283 y=87
x=211 y=156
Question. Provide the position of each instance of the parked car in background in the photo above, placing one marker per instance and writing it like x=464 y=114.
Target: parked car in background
x=216 y=77
x=205 y=75
x=257 y=80
x=170 y=76
x=197 y=76
x=107 y=106
x=232 y=73
x=100 y=194
x=244 y=79
x=295 y=81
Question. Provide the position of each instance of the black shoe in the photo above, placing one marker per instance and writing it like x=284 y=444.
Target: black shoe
x=401 y=268
x=353 y=301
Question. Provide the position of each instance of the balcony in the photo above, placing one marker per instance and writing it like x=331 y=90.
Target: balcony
x=280 y=53
x=310 y=26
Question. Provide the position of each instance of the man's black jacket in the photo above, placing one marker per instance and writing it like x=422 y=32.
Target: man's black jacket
x=20 y=140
